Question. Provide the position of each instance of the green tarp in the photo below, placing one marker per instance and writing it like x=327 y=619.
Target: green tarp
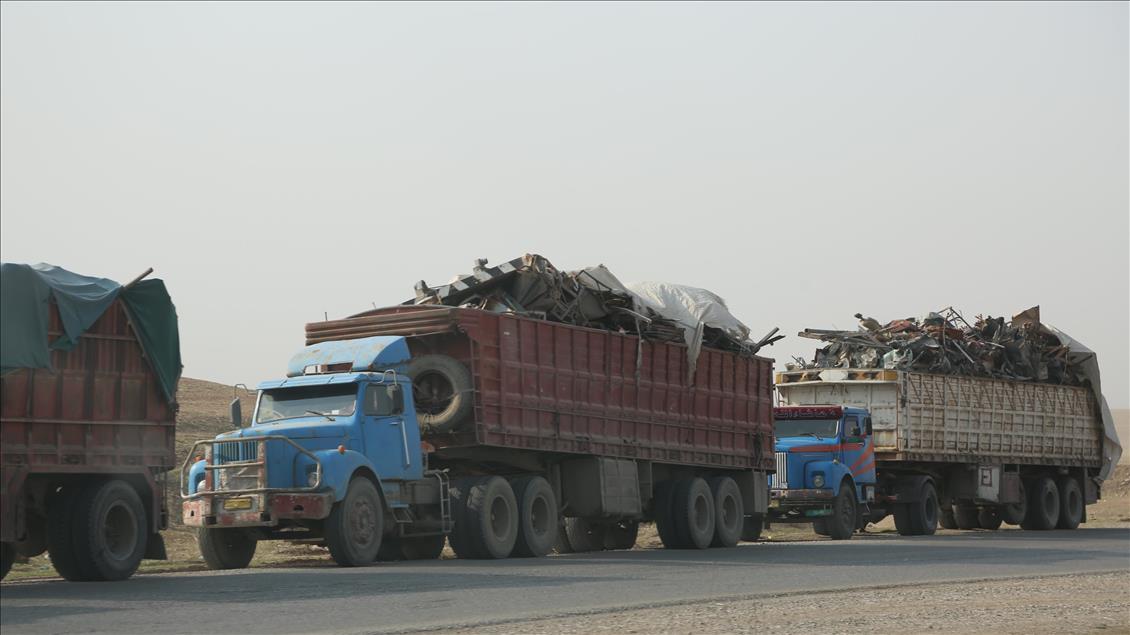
x=25 y=295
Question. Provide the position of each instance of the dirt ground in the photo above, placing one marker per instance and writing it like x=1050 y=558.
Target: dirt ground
x=1020 y=606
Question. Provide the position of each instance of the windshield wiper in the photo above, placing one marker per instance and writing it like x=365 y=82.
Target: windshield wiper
x=321 y=414
x=812 y=434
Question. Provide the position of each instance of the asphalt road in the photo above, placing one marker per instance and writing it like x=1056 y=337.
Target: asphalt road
x=408 y=596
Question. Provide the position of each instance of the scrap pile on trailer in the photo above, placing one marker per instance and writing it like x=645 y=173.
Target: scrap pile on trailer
x=944 y=342
x=593 y=297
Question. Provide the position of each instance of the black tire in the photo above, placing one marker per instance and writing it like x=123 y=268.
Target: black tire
x=491 y=517
x=693 y=510
x=110 y=531
x=841 y=524
x=1043 y=505
x=820 y=527
x=966 y=516
x=920 y=517
x=394 y=548
x=585 y=535
x=60 y=533
x=7 y=557
x=355 y=526
x=946 y=518
x=225 y=547
x=729 y=513
x=989 y=518
x=443 y=392
x=752 y=527
x=1013 y=513
x=1070 y=504
x=621 y=534
x=664 y=521
x=538 y=520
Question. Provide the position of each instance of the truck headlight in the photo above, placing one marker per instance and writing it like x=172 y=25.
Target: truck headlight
x=818 y=480
x=311 y=478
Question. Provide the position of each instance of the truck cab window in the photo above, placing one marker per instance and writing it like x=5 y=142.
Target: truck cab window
x=381 y=402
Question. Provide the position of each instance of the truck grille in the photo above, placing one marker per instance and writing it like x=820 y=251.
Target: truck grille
x=235 y=452
x=236 y=478
x=781 y=477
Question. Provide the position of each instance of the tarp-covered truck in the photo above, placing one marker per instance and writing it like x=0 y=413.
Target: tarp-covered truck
x=87 y=415
x=933 y=449
x=399 y=426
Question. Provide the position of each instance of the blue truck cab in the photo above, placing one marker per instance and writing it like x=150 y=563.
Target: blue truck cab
x=825 y=471
x=333 y=454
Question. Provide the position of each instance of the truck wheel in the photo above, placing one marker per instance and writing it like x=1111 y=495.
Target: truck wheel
x=225 y=548
x=537 y=517
x=491 y=515
x=841 y=524
x=7 y=557
x=966 y=516
x=110 y=531
x=442 y=391
x=751 y=528
x=946 y=518
x=621 y=534
x=1070 y=504
x=820 y=527
x=989 y=518
x=664 y=521
x=1043 y=505
x=60 y=533
x=729 y=515
x=919 y=518
x=395 y=548
x=584 y=535
x=356 y=525
x=1013 y=513
x=693 y=511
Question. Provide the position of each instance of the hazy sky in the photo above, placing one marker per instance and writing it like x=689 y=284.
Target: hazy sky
x=275 y=162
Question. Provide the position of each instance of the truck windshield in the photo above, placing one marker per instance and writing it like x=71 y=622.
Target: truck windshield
x=805 y=427
x=307 y=401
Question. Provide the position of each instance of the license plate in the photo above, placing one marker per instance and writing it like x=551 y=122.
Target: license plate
x=237 y=503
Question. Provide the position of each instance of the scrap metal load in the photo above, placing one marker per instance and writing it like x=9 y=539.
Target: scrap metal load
x=945 y=343
x=595 y=298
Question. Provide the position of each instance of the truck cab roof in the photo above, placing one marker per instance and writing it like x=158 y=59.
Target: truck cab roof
x=378 y=353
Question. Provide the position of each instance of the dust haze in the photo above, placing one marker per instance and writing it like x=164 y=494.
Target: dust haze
x=279 y=163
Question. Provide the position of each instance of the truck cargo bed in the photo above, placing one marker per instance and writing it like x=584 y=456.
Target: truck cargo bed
x=945 y=418
x=554 y=387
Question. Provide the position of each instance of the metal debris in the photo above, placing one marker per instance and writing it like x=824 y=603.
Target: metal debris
x=591 y=297
x=944 y=342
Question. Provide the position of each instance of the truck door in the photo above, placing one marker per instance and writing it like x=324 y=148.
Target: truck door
x=859 y=448
x=388 y=438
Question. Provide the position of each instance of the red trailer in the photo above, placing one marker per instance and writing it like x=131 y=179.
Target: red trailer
x=87 y=415
x=612 y=422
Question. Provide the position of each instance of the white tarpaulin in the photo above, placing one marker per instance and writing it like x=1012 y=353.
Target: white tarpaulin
x=1088 y=363
x=694 y=309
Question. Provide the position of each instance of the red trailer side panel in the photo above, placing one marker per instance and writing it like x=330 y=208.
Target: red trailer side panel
x=100 y=409
x=554 y=387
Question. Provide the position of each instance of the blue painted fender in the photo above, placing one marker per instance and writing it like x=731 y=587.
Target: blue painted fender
x=834 y=474
x=195 y=476
x=338 y=469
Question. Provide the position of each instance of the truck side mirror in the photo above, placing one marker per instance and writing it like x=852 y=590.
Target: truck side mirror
x=236 y=413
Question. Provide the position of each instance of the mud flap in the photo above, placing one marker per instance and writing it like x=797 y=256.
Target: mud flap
x=155 y=548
